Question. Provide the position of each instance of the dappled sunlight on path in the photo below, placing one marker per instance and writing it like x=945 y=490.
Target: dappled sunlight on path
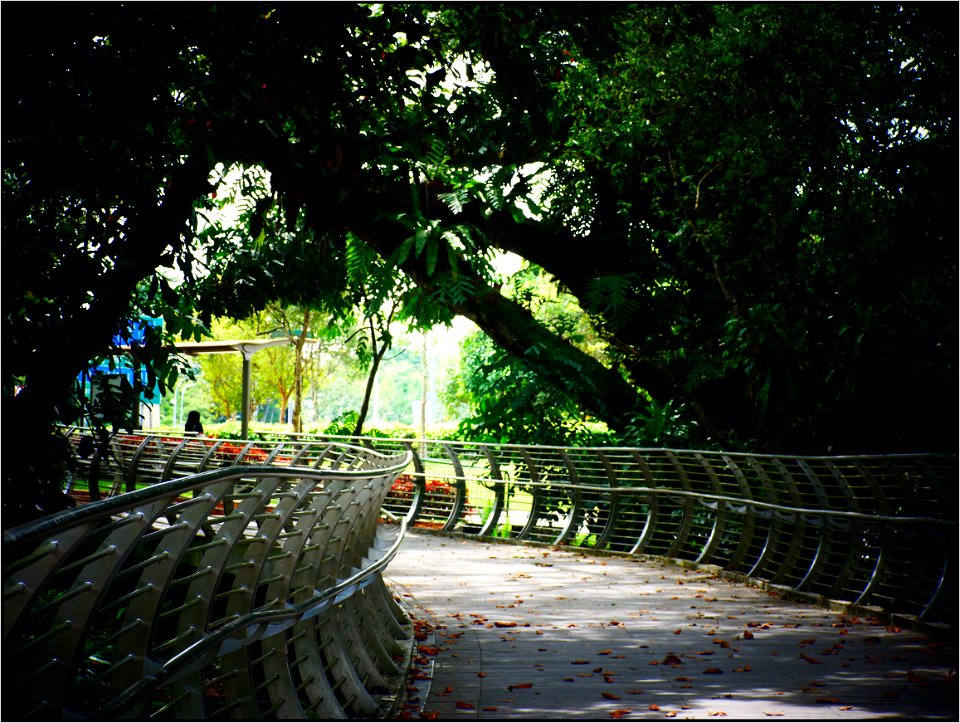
x=551 y=633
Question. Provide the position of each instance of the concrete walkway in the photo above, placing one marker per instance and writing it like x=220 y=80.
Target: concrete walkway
x=510 y=632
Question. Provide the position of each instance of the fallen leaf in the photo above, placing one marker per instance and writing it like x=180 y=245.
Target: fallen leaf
x=671 y=714
x=828 y=700
x=716 y=713
x=519 y=686
x=501 y=624
x=579 y=662
x=619 y=712
x=481 y=674
x=610 y=696
x=810 y=659
x=464 y=705
x=846 y=707
x=747 y=635
x=772 y=713
x=677 y=631
x=605 y=652
x=672 y=659
x=713 y=671
x=683 y=678
x=653 y=706
x=808 y=641
x=448 y=689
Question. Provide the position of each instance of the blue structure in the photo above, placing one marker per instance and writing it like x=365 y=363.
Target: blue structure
x=113 y=369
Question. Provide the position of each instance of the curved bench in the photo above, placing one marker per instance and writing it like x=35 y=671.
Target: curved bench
x=878 y=531
x=245 y=592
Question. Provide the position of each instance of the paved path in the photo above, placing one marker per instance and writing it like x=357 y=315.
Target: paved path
x=513 y=632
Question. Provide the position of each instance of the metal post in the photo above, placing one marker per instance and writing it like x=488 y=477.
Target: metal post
x=245 y=411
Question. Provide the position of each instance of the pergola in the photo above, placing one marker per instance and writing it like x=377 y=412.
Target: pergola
x=246 y=347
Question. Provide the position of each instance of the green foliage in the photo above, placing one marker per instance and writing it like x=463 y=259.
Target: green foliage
x=511 y=404
x=659 y=426
x=752 y=202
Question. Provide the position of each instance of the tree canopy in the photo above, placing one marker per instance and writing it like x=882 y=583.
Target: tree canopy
x=753 y=203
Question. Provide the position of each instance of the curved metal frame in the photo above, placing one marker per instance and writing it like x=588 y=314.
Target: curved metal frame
x=878 y=530
x=249 y=590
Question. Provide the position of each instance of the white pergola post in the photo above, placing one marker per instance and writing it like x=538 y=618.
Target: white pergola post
x=247 y=349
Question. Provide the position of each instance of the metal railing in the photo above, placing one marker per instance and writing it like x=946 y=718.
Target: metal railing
x=875 y=530
x=244 y=592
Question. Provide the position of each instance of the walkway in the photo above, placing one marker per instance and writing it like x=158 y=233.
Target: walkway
x=514 y=632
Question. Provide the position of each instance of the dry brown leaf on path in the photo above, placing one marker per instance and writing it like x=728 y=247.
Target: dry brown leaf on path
x=464 y=705
x=503 y=624
x=610 y=696
x=519 y=686
x=619 y=712
x=653 y=706
x=773 y=713
x=810 y=659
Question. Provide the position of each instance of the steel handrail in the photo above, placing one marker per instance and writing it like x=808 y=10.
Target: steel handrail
x=142 y=597
x=879 y=530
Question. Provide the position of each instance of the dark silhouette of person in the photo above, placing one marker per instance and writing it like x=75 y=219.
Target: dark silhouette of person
x=193 y=425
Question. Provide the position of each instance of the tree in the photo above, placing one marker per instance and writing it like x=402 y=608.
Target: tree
x=748 y=200
x=297 y=325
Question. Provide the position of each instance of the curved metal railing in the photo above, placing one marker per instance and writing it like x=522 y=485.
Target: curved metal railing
x=875 y=530
x=245 y=592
